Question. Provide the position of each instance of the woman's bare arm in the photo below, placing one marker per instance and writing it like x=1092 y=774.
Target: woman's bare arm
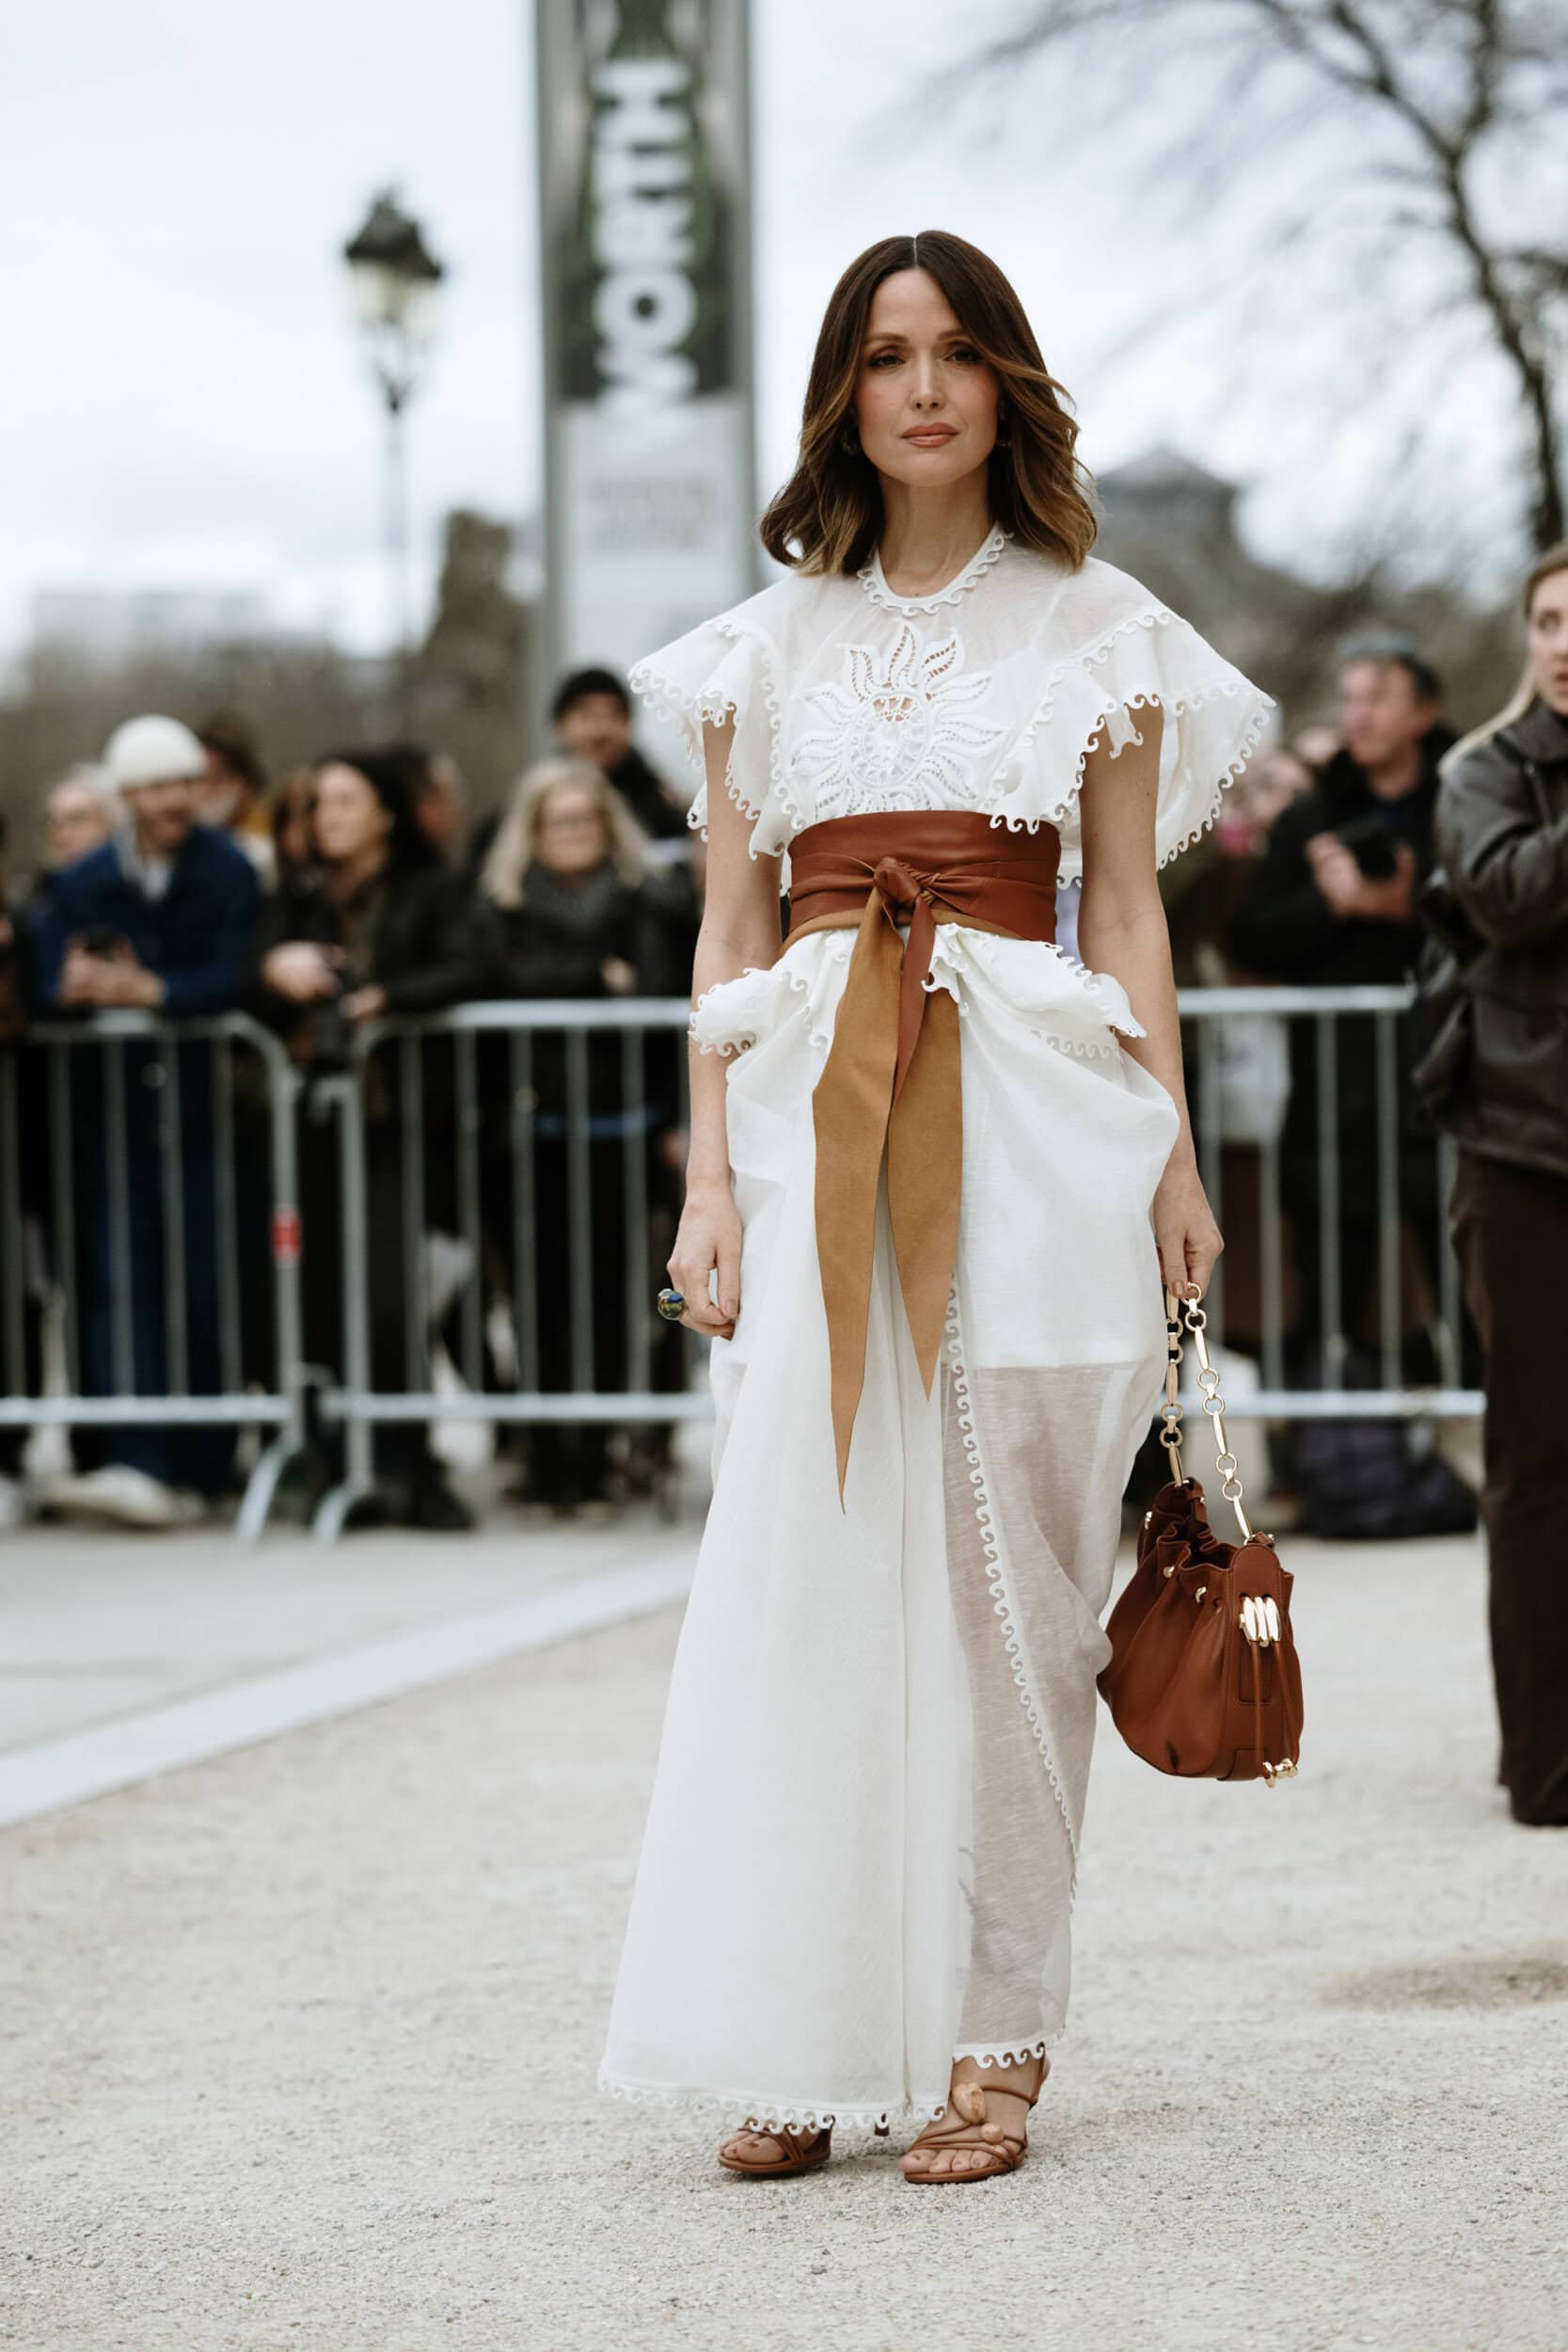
x=1121 y=930
x=740 y=929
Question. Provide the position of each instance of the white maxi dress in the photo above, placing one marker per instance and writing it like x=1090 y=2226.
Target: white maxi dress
x=861 y=1851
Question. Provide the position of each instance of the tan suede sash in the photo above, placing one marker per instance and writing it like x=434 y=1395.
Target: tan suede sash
x=892 y=1082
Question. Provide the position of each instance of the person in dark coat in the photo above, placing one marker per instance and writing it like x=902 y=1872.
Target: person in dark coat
x=591 y=712
x=569 y=909
x=23 y=1122
x=1502 y=836
x=374 y=927
x=158 y=920
x=1332 y=903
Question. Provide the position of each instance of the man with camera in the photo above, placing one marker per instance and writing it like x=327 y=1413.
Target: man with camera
x=1332 y=903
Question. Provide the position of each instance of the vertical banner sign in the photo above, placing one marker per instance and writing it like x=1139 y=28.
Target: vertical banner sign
x=646 y=219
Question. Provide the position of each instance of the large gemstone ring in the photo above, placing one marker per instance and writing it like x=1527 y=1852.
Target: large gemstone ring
x=670 y=1305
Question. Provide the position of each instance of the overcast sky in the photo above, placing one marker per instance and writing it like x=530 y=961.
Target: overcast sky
x=184 y=403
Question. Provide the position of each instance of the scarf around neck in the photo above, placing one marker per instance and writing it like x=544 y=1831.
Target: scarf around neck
x=582 y=911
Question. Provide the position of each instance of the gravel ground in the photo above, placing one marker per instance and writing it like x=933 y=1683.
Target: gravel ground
x=298 y=2049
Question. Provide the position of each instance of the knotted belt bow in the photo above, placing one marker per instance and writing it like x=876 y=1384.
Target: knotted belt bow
x=891 y=1084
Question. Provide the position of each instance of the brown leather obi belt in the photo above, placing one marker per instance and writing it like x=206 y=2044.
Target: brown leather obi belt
x=891 y=1083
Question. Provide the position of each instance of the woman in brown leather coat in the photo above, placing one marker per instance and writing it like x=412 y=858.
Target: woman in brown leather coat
x=1502 y=836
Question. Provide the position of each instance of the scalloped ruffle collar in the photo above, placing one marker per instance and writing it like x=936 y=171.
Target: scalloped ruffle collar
x=986 y=554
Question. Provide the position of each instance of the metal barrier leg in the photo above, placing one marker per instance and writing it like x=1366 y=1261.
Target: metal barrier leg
x=1330 y=1304
x=416 y=1270
x=358 y=1444
x=525 y=1284
x=1270 y=1252
x=230 y=1338
x=15 y=1277
x=119 y=1279
x=579 y=1190
x=173 y=1142
x=1388 y=1224
x=284 y=1244
x=469 y=1223
x=63 y=1189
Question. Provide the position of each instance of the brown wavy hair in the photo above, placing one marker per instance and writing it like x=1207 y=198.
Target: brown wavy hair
x=828 y=517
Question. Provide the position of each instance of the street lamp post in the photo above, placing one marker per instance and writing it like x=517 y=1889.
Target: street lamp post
x=394 y=278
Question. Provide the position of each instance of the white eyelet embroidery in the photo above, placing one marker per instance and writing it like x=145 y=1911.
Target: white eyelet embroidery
x=895 y=728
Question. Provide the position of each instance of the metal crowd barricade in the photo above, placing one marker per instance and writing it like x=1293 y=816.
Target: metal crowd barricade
x=517 y=1029
x=76 y=1120
x=1213 y=1016
x=1206 y=1010
x=137 y=1049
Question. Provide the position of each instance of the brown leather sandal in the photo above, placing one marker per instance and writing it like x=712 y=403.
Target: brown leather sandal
x=798 y=2151
x=1003 y=2150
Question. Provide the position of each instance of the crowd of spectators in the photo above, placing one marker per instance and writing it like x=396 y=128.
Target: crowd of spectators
x=169 y=882
x=172 y=880
x=1330 y=845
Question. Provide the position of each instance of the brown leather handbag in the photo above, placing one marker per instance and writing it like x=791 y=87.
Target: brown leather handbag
x=1204 y=1680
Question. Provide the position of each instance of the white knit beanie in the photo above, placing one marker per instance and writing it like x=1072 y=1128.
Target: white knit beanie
x=153 y=750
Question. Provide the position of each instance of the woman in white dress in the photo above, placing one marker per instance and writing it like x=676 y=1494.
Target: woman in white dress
x=936 y=1170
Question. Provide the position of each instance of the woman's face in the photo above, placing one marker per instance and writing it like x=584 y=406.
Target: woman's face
x=926 y=403
x=350 y=818
x=1281 y=779
x=75 y=822
x=1548 y=642
x=570 y=836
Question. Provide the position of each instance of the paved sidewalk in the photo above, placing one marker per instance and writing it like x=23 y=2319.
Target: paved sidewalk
x=122 y=1657
x=298 y=2047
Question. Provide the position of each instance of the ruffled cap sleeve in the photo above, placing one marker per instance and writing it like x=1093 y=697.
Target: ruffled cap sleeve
x=724 y=670
x=1145 y=655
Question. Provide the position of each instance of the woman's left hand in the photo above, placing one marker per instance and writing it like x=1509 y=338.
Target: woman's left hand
x=365 y=1004
x=1188 y=1238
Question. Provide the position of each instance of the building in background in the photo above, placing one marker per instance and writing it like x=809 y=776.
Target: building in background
x=1173 y=524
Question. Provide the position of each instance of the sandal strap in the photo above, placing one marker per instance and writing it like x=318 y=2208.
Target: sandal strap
x=1008 y=2148
x=987 y=2080
x=978 y=2131
x=966 y=2131
x=794 y=2143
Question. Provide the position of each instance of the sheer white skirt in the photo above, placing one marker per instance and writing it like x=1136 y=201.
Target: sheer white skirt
x=861 y=1845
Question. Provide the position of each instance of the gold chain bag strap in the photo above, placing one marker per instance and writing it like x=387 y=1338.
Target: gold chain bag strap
x=1204 y=1679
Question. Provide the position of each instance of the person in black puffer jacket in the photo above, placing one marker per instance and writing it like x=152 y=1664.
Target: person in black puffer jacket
x=374 y=926
x=569 y=909
x=1502 y=836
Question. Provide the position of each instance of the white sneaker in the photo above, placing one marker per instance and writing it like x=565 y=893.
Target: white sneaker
x=14 y=1506
x=120 y=1496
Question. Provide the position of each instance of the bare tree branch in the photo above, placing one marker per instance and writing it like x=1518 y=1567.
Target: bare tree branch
x=1446 y=80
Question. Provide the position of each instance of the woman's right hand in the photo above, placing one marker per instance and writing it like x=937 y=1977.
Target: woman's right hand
x=301 y=970
x=708 y=1238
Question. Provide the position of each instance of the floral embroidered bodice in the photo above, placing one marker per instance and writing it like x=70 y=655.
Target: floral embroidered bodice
x=846 y=699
